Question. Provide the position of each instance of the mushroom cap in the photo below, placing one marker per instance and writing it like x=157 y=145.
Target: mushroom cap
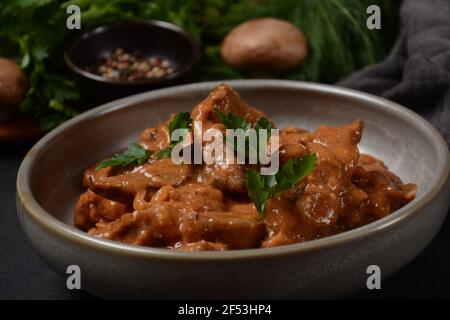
x=265 y=44
x=13 y=83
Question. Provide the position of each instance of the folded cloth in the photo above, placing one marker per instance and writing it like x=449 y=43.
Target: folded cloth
x=416 y=73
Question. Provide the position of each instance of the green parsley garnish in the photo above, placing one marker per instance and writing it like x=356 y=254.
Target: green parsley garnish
x=135 y=154
x=181 y=120
x=261 y=188
x=258 y=189
x=233 y=121
x=264 y=124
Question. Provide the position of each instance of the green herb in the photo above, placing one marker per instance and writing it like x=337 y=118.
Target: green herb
x=258 y=190
x=233 y=121
x=261 y=188
x=292 y=172
x=164 y=153
x=181 y=120
x=135 y=154
x=264 y=124
x=34 y=32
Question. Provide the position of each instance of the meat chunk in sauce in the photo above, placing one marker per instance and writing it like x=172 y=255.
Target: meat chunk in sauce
x=226 y=100
x=93 y=208
x=236 y=230
x=129 y=181
x=188 y=214
x=320 y=202
x=156 y=138
x=228 y=177
x=206 y=207
x=156 y=226
x=385 y=191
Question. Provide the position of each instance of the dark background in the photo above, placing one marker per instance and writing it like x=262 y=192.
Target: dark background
x=24 y=276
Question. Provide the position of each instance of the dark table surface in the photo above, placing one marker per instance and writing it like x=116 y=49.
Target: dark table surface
x=24 y=276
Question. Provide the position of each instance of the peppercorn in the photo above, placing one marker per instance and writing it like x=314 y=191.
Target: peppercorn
x=122 y=65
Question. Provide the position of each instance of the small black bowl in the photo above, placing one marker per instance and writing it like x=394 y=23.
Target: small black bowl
x=149 y=37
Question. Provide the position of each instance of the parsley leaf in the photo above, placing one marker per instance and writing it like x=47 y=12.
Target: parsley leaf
x=257 y=189
x=135 y=154
x=264 y=124
x=164 y=153
x=233 y=121
x=181 y=120
x=292 y=172
x=261 y=188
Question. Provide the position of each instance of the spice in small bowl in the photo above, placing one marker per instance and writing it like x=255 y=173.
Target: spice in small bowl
x=122 y=65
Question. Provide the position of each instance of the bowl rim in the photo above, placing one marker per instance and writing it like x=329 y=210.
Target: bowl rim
x=28 y=205
x=179 y=72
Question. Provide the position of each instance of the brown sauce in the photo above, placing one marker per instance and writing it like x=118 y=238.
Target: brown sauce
x=206 y=207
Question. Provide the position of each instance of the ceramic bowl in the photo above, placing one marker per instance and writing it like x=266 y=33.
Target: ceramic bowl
x=150 y=37
x=49 y=183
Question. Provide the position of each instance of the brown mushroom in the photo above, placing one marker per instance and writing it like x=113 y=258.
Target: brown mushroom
x=13 y=86
x=267 y=44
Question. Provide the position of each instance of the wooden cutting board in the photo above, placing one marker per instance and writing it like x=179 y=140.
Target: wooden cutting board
x=20 y=128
